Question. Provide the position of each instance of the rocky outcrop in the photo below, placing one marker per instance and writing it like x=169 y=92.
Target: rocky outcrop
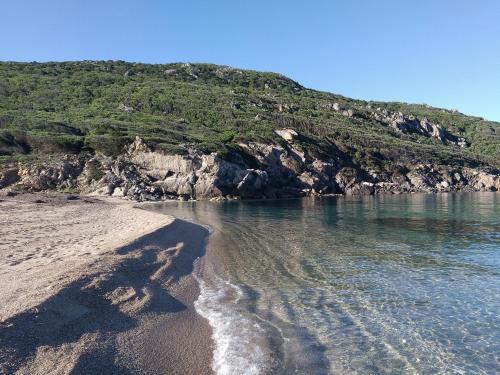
x=483 y=181
x=48 y=176
x=256 y=171
x=410 y=124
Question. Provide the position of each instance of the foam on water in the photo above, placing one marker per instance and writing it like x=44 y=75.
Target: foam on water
x=239 y=341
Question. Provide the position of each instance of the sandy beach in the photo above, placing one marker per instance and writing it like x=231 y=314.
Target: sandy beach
x=94 y=286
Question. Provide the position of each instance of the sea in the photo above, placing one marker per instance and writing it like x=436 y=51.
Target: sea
x=392 y=284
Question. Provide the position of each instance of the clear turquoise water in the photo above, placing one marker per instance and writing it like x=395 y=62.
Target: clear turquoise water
x=375 y=285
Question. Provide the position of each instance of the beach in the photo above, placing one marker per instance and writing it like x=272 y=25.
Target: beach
x=98 y=286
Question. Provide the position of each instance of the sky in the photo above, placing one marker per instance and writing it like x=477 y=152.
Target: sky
x=445 y=53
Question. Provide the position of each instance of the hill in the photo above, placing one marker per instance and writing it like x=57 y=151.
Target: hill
x=88 y=108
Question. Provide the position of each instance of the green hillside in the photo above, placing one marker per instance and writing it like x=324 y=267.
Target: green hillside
x=74 y=107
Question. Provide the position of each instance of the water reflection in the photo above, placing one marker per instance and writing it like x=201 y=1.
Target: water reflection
x=388 y=284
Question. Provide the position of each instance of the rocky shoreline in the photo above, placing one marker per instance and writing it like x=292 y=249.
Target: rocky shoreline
x=256 y=171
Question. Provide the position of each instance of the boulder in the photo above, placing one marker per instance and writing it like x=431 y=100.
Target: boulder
x=119 y=192
x=433 y=130
x=125 y=108
x=288 y=135
x=348 y=113
x=363 y=188
x=487 y=182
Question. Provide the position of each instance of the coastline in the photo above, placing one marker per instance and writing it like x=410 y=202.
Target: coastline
x=93 y=285
x=278 y=278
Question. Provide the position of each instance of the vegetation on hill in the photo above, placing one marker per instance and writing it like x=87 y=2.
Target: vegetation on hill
x=99 y=106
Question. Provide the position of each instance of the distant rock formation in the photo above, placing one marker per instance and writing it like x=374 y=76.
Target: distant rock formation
x=410 y=124
x=257 y=171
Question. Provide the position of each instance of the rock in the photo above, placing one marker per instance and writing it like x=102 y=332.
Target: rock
x=216 y=177
x=253 y=170
x=159 y=165
x=336 y=107
x=348 y=113
x=410 y=124
x=444 y=184
x=386 y=187
x=179 y=184
x=314 y=184
x=347 y=177
x=363 y=188
x=424 y=178
x=137 y=146
x=125 y=108
x=93 y=170
x=51 y=175
x=487 y=182
x=207 y=187
x=9 y=176
x=253 y=184
x=227 y=73
x=433 y=130
x=457 y=177
x=290 y=108
x=288 y=135
x=118 y=192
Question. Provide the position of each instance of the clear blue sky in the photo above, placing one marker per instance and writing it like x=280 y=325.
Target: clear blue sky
x=442 y=52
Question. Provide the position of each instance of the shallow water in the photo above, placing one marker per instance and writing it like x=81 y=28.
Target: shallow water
x=405 y=284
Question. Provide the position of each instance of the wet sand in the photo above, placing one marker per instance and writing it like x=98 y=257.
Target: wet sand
x=92 y=286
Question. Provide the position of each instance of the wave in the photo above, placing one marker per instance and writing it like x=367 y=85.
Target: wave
x=240 y=342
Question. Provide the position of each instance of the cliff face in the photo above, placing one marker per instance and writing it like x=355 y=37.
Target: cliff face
x=256 y=171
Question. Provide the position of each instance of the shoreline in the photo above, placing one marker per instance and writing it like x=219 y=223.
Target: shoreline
x=115 y=294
